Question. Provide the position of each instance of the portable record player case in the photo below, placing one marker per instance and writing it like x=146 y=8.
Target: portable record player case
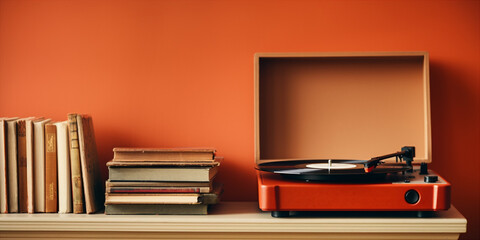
x=344 y=106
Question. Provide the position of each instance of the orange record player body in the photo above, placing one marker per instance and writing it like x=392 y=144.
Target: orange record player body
x=279 y=195
x=311 y=106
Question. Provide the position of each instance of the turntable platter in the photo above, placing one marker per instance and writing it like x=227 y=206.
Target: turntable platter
x=329 y=169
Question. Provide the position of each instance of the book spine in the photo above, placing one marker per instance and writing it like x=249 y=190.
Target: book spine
x=77 y=186
x=39 y=165
x=30 y=193
x=167 y=198
x=22 y=166
x=89 y=163
x=163 y=156
x=87 y=186
x=210 y=198
x=3 y=167
x=63 y=166
x=160 y=190
x=155 y=209
x=12 y=167
x=161 y=174
x=51 y=168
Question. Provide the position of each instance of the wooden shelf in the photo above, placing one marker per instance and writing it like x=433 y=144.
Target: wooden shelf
x=233 y=220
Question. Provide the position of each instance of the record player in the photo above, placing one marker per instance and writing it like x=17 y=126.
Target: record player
x=345 y=132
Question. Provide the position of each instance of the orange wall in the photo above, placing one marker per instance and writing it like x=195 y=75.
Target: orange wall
x=180 y=73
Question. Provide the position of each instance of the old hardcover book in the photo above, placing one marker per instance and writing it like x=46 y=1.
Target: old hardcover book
x=157 y=184
x=4 y=163
x=22 y=166
x=30 y=166
x=94 y=193
x=186 y=164
x=51 y=168
x=29 y=159
x=39 y=164
x=163 y=154
x=76 y=172
x=180 y=209
x=12 y=169
x=3 y=172
x=63 y=165
x=170 y=198
x=214 y=196
x=156 y=209
x=173 y=174
x=157 y=189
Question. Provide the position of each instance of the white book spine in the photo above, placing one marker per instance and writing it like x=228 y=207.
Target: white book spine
x=12 y=167
x=39 y=165
x=3 y=167
x=63 y=161
x=30 y=166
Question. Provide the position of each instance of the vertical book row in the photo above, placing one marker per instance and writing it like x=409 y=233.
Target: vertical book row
x=49 y=167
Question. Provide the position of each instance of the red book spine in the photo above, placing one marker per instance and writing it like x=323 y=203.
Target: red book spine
x=22 y=166
x=51 y=205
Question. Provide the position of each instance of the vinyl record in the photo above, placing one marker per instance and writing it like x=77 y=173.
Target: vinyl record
x=329 y=169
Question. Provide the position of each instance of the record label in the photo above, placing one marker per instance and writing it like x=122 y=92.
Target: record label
x=331 y=166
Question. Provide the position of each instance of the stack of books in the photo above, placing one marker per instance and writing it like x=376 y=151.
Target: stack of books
x=162 y=181
x=49 y=167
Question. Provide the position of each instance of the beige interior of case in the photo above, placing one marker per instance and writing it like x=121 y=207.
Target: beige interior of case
x=341 y=106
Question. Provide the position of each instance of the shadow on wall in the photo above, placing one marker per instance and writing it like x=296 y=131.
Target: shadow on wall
x=455 y=137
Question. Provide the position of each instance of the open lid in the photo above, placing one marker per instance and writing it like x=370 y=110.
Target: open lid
x=341 y=105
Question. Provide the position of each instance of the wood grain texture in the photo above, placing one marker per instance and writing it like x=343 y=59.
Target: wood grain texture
x=223 y=235
x=236 y=217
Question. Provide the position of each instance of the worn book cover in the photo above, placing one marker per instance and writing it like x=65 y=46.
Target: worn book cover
x=12 y=167
x=157 y=189
x=214 y=196
x=213 y=163
x=51 y=168
x=3 y=170
x=39 y=164
x=76 y=172
x=93 y=187
x=30 y=167
x=163 y=154
x=156 y=209
x=172 y=174
x=4 y=164
x=22 y=166
x=171 y=198
x=112 y=184
x=63 y=166
x=165 y=209
x=166 y=198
